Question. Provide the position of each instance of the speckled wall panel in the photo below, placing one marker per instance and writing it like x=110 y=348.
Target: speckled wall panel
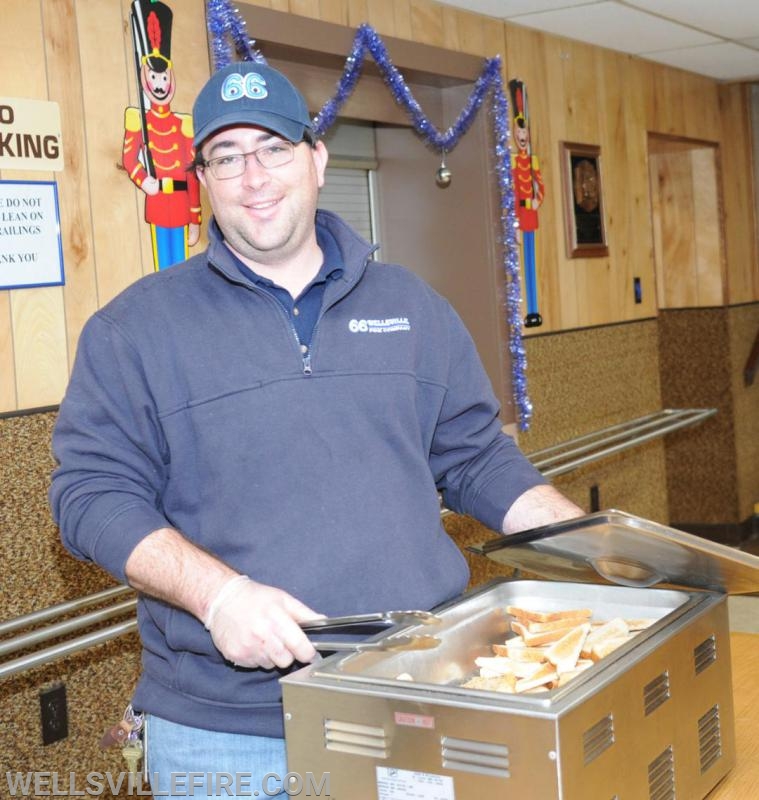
x=743 y=325
x=584 y=380
x=36 y=572
x=696 y=371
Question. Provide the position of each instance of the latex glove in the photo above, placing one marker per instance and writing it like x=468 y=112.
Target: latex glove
x=255 y=625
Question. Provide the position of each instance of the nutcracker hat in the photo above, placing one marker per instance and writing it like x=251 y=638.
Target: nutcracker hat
x=251 y=93
x=151 y=25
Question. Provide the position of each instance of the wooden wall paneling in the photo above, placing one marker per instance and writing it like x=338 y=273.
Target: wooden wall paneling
x=334 y=11
x=39 y=340
x=402 y=17
x=617 y=170
x=380 y=15
x=65 y=87
x=583 y=282
x=738 y=195
x=305 y=8
x=678 y=234
x=667 y=114
x=469 y=30
x=709 y=260
x=530 y=57
x=279 y=5
x=20 y=16
x=358 y=12
x=638 y=248
x=494 y=40
x=106 y=63
x=427 y=22
x=8 y=399
x=192 y=65
x=37 y=316
x=655 y=202
x=450 y=28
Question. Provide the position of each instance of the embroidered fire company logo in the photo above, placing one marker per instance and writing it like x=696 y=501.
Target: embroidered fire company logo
x=392 y=325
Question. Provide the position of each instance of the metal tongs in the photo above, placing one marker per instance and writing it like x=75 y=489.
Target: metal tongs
x=400 y=642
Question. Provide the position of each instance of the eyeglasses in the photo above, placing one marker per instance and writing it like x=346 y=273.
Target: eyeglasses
x=276 y=154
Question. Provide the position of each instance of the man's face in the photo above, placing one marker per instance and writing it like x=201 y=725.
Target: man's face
x=266 y=215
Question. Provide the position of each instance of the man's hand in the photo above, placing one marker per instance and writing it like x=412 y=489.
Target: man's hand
x=254 y=625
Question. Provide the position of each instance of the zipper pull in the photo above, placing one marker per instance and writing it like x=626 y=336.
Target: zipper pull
x=307 y=364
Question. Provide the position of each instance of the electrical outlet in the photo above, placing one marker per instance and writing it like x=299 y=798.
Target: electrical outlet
x=54 y=714
x=595 y=499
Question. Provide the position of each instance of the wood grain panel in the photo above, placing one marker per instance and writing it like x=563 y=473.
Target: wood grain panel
x=18 y=15
x=305 y=8
x=358 y=13
x=709 y=266
x=450 y=28
x=36 y=316
x=402 y=17
x=381 y=16
x=676 y=259
x=427 y=22
x=40 y=346
x=65 y=86
x=738 y=194
x=334 y=11
x=529 y=56
x=189 y=39
x=638 y=249
x=471 y=32
x=493 y=39
x=626 y=191
x=116 y=209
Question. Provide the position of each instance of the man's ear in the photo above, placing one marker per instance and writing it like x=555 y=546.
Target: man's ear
x=320 y=156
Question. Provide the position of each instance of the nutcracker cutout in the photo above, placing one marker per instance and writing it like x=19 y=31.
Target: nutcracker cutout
x=158 y=141
x=528 y=195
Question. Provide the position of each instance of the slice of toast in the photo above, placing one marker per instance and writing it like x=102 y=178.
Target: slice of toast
x=612 y=629
x=517 y=650
x=565 y=653
x=545 y=675
x=542 y=637
x=525 y=615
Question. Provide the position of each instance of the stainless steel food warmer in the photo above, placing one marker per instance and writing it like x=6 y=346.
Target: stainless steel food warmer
x=651 y=721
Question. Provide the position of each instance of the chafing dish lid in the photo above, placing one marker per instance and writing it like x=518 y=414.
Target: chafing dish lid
x=619 y=548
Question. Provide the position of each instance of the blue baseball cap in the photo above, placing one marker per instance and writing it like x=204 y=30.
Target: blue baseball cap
x=249 y=93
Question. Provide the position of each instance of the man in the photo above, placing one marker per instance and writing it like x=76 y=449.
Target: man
x=247 y=454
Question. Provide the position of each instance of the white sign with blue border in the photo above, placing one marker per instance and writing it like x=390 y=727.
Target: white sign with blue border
x=30 y=235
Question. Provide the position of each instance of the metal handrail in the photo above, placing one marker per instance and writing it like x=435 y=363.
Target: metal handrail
x=25 y=640
x=566 y=457
x=555 y=460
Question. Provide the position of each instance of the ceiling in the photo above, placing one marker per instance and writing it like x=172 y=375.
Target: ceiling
x=717 y=38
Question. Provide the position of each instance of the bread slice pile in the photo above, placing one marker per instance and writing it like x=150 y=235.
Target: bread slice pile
x=549 y=648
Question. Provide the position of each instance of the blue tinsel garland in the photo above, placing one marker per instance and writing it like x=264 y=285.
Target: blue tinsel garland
x=225 y=23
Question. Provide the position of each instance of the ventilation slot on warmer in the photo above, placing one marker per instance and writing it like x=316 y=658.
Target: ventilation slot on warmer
x=350 y=737
x=705 y=654
x=709 y=738
x=656 y=693
x=661 y=777
x=484 y=758
x=598 y=738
